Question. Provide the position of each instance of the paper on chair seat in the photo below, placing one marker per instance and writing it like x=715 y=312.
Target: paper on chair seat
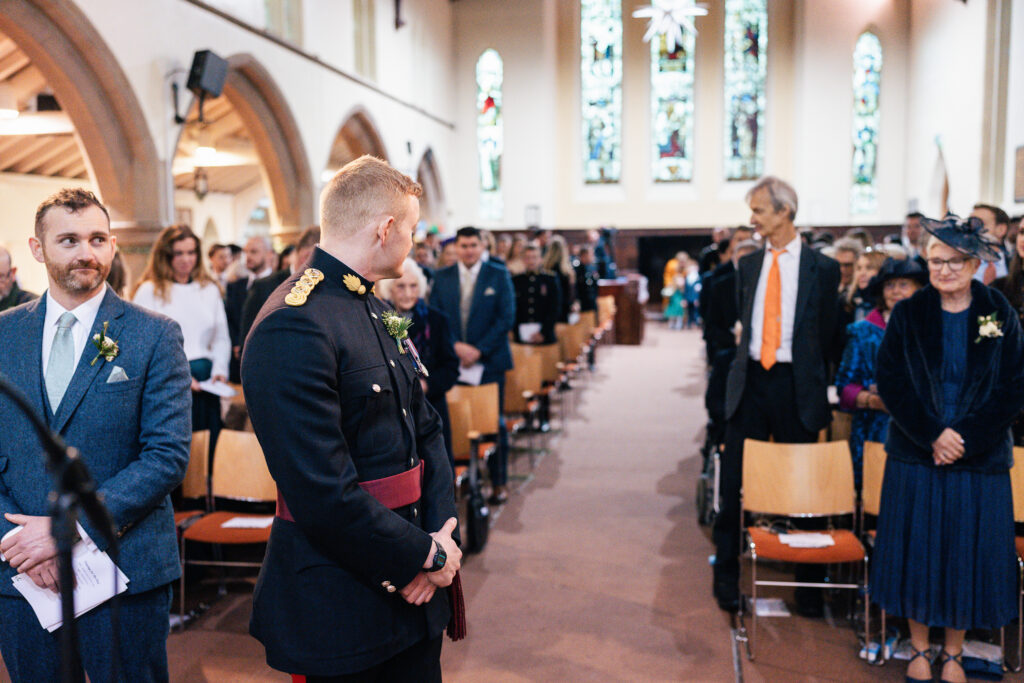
x=248 y=523
x=471 y=375
x=527 y=330
x=807 y=540
x=217 y=388
x=94 y=584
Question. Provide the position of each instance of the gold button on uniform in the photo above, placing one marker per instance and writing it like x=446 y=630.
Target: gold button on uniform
x=392 y=363
x=373 y=315
x=391 y=589
x=404 y=414
x=386 y=584
x=376 y=388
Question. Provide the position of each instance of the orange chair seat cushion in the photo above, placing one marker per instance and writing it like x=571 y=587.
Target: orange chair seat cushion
x=846 y=549
x=1019 y=542
x=185 y=515
x=209 y=530
x=461 y=472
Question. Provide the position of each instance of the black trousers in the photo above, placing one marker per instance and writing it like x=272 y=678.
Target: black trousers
x=767 y=409
x=421 y=663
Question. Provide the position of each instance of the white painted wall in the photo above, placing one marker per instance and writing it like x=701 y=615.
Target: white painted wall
x=20 y=196
x=1015 y=107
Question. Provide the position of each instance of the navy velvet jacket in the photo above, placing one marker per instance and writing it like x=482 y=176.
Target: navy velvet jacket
x=909 y=376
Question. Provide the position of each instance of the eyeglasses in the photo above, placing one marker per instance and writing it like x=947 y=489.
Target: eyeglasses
x=956 y=264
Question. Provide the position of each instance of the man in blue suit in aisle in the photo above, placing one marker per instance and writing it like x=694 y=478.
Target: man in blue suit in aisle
x=478 y=298
x=113 y=381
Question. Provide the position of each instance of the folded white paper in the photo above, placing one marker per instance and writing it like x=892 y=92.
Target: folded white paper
x=248 y=523
x=471 y=375
x=807 y=540
x=574 y=317
x=771 y=607
x=527 y=330
x=94 y=583
x=217 y=388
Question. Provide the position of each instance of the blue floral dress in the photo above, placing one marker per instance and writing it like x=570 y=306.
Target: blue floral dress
x=856 y=373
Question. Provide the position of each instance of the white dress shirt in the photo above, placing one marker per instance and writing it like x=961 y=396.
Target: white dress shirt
x=199 y=310
x=85 y=316
x=789 y=274
x=472 y=272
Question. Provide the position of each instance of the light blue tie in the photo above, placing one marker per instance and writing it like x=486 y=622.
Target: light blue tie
x=61 y=365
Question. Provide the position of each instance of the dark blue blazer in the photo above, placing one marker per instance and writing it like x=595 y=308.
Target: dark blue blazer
x=491 y=316
x=134 y=435
x=909 y=376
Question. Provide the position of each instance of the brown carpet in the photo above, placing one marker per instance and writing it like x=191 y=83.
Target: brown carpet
x=596 y=569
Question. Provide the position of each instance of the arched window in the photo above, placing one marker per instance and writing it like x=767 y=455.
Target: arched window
x=672 y=108
x=601 y=89
x=746 y=39
x=490 y=139
x=867 y=75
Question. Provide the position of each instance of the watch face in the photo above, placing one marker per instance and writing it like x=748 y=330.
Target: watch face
x=440 y=557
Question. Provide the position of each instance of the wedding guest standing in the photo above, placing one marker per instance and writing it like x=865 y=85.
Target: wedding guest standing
x=177 y=284
x=855 y=379
x=433 y=338
x=951 y=374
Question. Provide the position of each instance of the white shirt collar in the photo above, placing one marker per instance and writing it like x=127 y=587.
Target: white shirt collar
x=85 y=313
x=793 y=248
x=474 y=271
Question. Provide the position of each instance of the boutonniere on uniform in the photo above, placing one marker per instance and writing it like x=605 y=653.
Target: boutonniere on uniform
x=989 y=327
x=106 y=347
x=398 y=327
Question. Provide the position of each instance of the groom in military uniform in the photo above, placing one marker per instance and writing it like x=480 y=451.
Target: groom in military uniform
x=363 y=536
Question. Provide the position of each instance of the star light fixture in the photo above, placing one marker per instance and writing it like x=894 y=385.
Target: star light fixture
x=669 y=17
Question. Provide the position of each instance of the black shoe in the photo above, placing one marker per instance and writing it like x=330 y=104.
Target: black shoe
x=499 y=496
x=726 y=589
x=810 y=603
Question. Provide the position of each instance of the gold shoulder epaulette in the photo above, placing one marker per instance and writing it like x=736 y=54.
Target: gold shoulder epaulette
x=300 y=292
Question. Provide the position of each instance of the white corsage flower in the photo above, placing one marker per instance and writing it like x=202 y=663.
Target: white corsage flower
x=988 y=327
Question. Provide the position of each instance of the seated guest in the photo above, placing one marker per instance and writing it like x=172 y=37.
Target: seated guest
x=854 y=302
x=503 y=244
x=10 y=294
x=177 y=284
x=556 y=261
x=538 y=300
x=259 y=262
x=514 y=263
x=449 y=256
x=950 y=371
x=261 y=289
x=846 y=252
x=432 y=336
x=912 y=235
x=586 y=279
x=855 y=379
x=219 y=256
x=997 y=224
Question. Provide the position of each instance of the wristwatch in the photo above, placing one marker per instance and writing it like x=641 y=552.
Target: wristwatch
x=440 y=557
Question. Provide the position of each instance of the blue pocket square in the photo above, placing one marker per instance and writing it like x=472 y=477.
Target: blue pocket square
x=117 y=375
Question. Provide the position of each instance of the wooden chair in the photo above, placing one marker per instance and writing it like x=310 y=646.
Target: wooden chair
x=870 y=503
x=460 y=416
x=196 y=484
x=522 y=402
x=842 y=423
x=239 y=473
x=799 y=480
x=1017 y=485
x=528 y=356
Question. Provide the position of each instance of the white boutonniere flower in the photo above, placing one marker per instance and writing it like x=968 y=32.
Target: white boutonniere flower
x=989 y=327
x=105 y=346
x=397 y=326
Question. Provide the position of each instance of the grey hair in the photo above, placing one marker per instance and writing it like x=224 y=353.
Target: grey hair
x=781 y=193
x=933 y=240
x=850 y=245
x=410 y=266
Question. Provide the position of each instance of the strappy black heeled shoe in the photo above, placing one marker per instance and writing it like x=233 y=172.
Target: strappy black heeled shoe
x=919 y=653
x=958 y=658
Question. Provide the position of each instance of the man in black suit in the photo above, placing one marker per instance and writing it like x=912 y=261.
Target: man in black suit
x=538 y=299
x=262 y=288
x=721 y=312
x=366 y=508
x=259 y=261
x=777 y=384
x=586 y=279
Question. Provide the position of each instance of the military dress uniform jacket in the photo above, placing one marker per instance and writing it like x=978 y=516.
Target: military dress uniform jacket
x=334 y=403
x=538 y=300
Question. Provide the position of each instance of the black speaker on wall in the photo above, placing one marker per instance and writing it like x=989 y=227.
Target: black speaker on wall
x=206 y=77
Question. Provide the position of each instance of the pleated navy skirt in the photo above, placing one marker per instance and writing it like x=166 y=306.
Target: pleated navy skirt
x=944 y=554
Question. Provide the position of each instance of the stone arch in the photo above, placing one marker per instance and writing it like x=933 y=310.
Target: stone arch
x=120 y=154
x=432 y=203
x=357 y=136
x=269 y=121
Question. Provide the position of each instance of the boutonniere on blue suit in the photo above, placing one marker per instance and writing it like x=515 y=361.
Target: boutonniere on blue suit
x=989 y=327
x=105 y=346
x=489 y=291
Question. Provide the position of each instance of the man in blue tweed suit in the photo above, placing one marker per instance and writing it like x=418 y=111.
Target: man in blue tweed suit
x=127 y=410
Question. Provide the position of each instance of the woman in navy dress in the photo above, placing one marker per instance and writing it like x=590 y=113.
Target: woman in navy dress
x=951 y=374
x=855 y=378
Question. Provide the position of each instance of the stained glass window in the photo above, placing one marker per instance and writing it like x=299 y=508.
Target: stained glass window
x=490 y=139
x=672 y=108
x=746 y=38
x=601 y=89
x=867 y=74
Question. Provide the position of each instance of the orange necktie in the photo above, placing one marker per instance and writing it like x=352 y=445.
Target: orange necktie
x=771 y=330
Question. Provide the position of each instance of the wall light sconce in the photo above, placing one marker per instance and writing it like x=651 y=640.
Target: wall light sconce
x=200 y=182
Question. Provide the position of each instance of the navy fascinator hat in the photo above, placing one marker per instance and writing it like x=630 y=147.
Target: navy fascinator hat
x=894 y=269
x=966 y=235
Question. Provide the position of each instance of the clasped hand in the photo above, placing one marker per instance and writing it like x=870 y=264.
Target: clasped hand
x=948 y=448
x=32 y=550
x=421 y=589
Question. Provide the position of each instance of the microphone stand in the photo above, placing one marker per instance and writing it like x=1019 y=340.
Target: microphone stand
x=74 y=488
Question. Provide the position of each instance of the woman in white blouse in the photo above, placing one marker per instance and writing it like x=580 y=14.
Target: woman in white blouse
x=176 y=284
